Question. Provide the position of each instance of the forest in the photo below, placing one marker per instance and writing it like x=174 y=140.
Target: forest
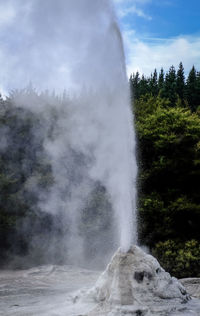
x=167 y=120
x=166 y=109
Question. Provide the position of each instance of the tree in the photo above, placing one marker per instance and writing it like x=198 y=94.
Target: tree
x=171 y=86
x=169 y=170
x=180 y=259
x=180 y=83
x=161 y=80
x=153 y=83
x=22 y=159
x=191 y=90
x=169 y=89
x=134 y=85
x=198 y=90
x=143 y=87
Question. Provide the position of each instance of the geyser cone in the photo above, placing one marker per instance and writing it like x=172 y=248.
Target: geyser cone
x=135 y=283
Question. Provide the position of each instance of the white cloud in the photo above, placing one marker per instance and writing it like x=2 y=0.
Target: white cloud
x=134 y=7
x=145 y=55
x=133 y=10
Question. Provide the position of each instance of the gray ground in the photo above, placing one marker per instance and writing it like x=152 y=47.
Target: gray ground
x=48 y=291
x=41 y=291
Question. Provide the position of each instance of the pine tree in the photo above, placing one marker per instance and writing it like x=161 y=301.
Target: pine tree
x=153 y=83
x=134 y=85
x=169 y=89
x=143 y=86
x=161 y=80
x=198 y=90
x=192 y=95
x=180 y=83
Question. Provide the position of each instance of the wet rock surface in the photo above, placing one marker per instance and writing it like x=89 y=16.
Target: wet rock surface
x=133 y=284
x=192 y=286
x=42 y=291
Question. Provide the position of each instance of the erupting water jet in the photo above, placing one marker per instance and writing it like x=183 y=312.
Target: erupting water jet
x=77 y=46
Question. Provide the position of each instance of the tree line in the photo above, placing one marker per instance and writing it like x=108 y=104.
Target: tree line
x=174 y=86
x=167 y=120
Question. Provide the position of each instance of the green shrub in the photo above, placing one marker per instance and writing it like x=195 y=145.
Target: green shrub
x=180 y=259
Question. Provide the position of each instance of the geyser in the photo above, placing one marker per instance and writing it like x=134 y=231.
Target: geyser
x=76 y=46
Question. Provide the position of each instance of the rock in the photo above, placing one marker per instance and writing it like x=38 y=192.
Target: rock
x=134 y=283
x=192 y=286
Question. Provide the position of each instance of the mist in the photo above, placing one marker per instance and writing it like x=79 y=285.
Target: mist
x=68 y=55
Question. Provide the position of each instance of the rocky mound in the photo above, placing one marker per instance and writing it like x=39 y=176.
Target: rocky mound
x=134 y=283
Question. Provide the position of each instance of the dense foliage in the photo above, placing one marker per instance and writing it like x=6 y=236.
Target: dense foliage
x=30 y=234
x=23 y=166
x=168 y=130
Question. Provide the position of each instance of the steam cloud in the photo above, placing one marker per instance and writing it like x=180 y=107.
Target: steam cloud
x=76 y=46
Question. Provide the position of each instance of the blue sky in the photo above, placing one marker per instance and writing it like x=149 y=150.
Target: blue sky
x=160 y=33
x=156 y=33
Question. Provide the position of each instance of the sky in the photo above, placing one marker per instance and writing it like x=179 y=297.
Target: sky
x=156 y=33
x=160 y=33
